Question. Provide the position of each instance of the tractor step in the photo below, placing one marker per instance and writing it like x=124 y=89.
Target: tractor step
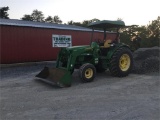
x=103 y=57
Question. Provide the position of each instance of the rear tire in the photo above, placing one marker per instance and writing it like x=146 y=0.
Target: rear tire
x=121 y=62
x=87 y=72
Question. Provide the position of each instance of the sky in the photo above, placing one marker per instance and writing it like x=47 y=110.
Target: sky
x=132 y=12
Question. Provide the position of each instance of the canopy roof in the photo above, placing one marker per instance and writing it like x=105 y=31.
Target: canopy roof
x=107 y=24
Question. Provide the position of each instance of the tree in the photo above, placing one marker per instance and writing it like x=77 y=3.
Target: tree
x=77 y=23
x=119 y=19
x=149 y=34
x=70 y=22
x=83 y=23
x=74 y=23
x=27 y=17
x=153 y=30
x=4 y=12
x=86 y=22
x=94 y=20
x=37 y=16
x=49 y=19
x=57 y=19
x=54 y=19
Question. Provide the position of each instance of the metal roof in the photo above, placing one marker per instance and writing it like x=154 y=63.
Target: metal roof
x=23 y=23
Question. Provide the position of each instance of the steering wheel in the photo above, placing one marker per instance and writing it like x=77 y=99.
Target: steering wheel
x=99 y=41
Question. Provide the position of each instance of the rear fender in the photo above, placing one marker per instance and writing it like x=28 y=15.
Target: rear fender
x=115 y=48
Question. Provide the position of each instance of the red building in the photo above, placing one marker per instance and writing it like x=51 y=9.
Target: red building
x=27 y=41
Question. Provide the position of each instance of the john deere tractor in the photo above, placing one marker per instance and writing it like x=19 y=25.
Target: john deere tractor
x=90 y=59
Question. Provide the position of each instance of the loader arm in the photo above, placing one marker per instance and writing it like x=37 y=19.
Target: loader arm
x=69 y=56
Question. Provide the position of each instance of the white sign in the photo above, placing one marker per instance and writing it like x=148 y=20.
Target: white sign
x=61 y=40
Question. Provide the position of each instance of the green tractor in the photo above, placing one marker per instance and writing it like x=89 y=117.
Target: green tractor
x=89 y=59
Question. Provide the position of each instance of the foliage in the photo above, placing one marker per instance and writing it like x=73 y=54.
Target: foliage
x=70 y=22
x=83 y=23
x=149 y=34
x=27 y=17
x=49 y=19
x=38 y=16
x=4 y=12
x=153 y=30
x=54 y=19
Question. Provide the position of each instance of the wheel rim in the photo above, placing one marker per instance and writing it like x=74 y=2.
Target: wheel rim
x=88 y=73
x=124 y=62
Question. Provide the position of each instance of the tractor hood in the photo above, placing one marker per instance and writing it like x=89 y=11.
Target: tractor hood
x=76 y=48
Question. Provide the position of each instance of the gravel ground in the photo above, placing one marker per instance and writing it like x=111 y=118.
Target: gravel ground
x=135 y=97
x=146 y=60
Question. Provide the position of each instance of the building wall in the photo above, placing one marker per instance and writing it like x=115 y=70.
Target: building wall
x=29 y=44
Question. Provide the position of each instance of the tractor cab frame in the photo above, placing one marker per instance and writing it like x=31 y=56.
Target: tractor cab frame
x=107 y=25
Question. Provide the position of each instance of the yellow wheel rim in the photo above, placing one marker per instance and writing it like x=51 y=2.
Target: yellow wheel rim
x=88 y=73
x=124 y=62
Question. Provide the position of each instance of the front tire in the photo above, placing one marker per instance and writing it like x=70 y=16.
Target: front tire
x=87 y=72
x=121 y=62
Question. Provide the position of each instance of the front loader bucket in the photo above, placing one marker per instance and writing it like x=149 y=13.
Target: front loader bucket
x=58 y=76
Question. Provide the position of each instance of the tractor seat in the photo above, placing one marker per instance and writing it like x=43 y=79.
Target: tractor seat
x=106 y=44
